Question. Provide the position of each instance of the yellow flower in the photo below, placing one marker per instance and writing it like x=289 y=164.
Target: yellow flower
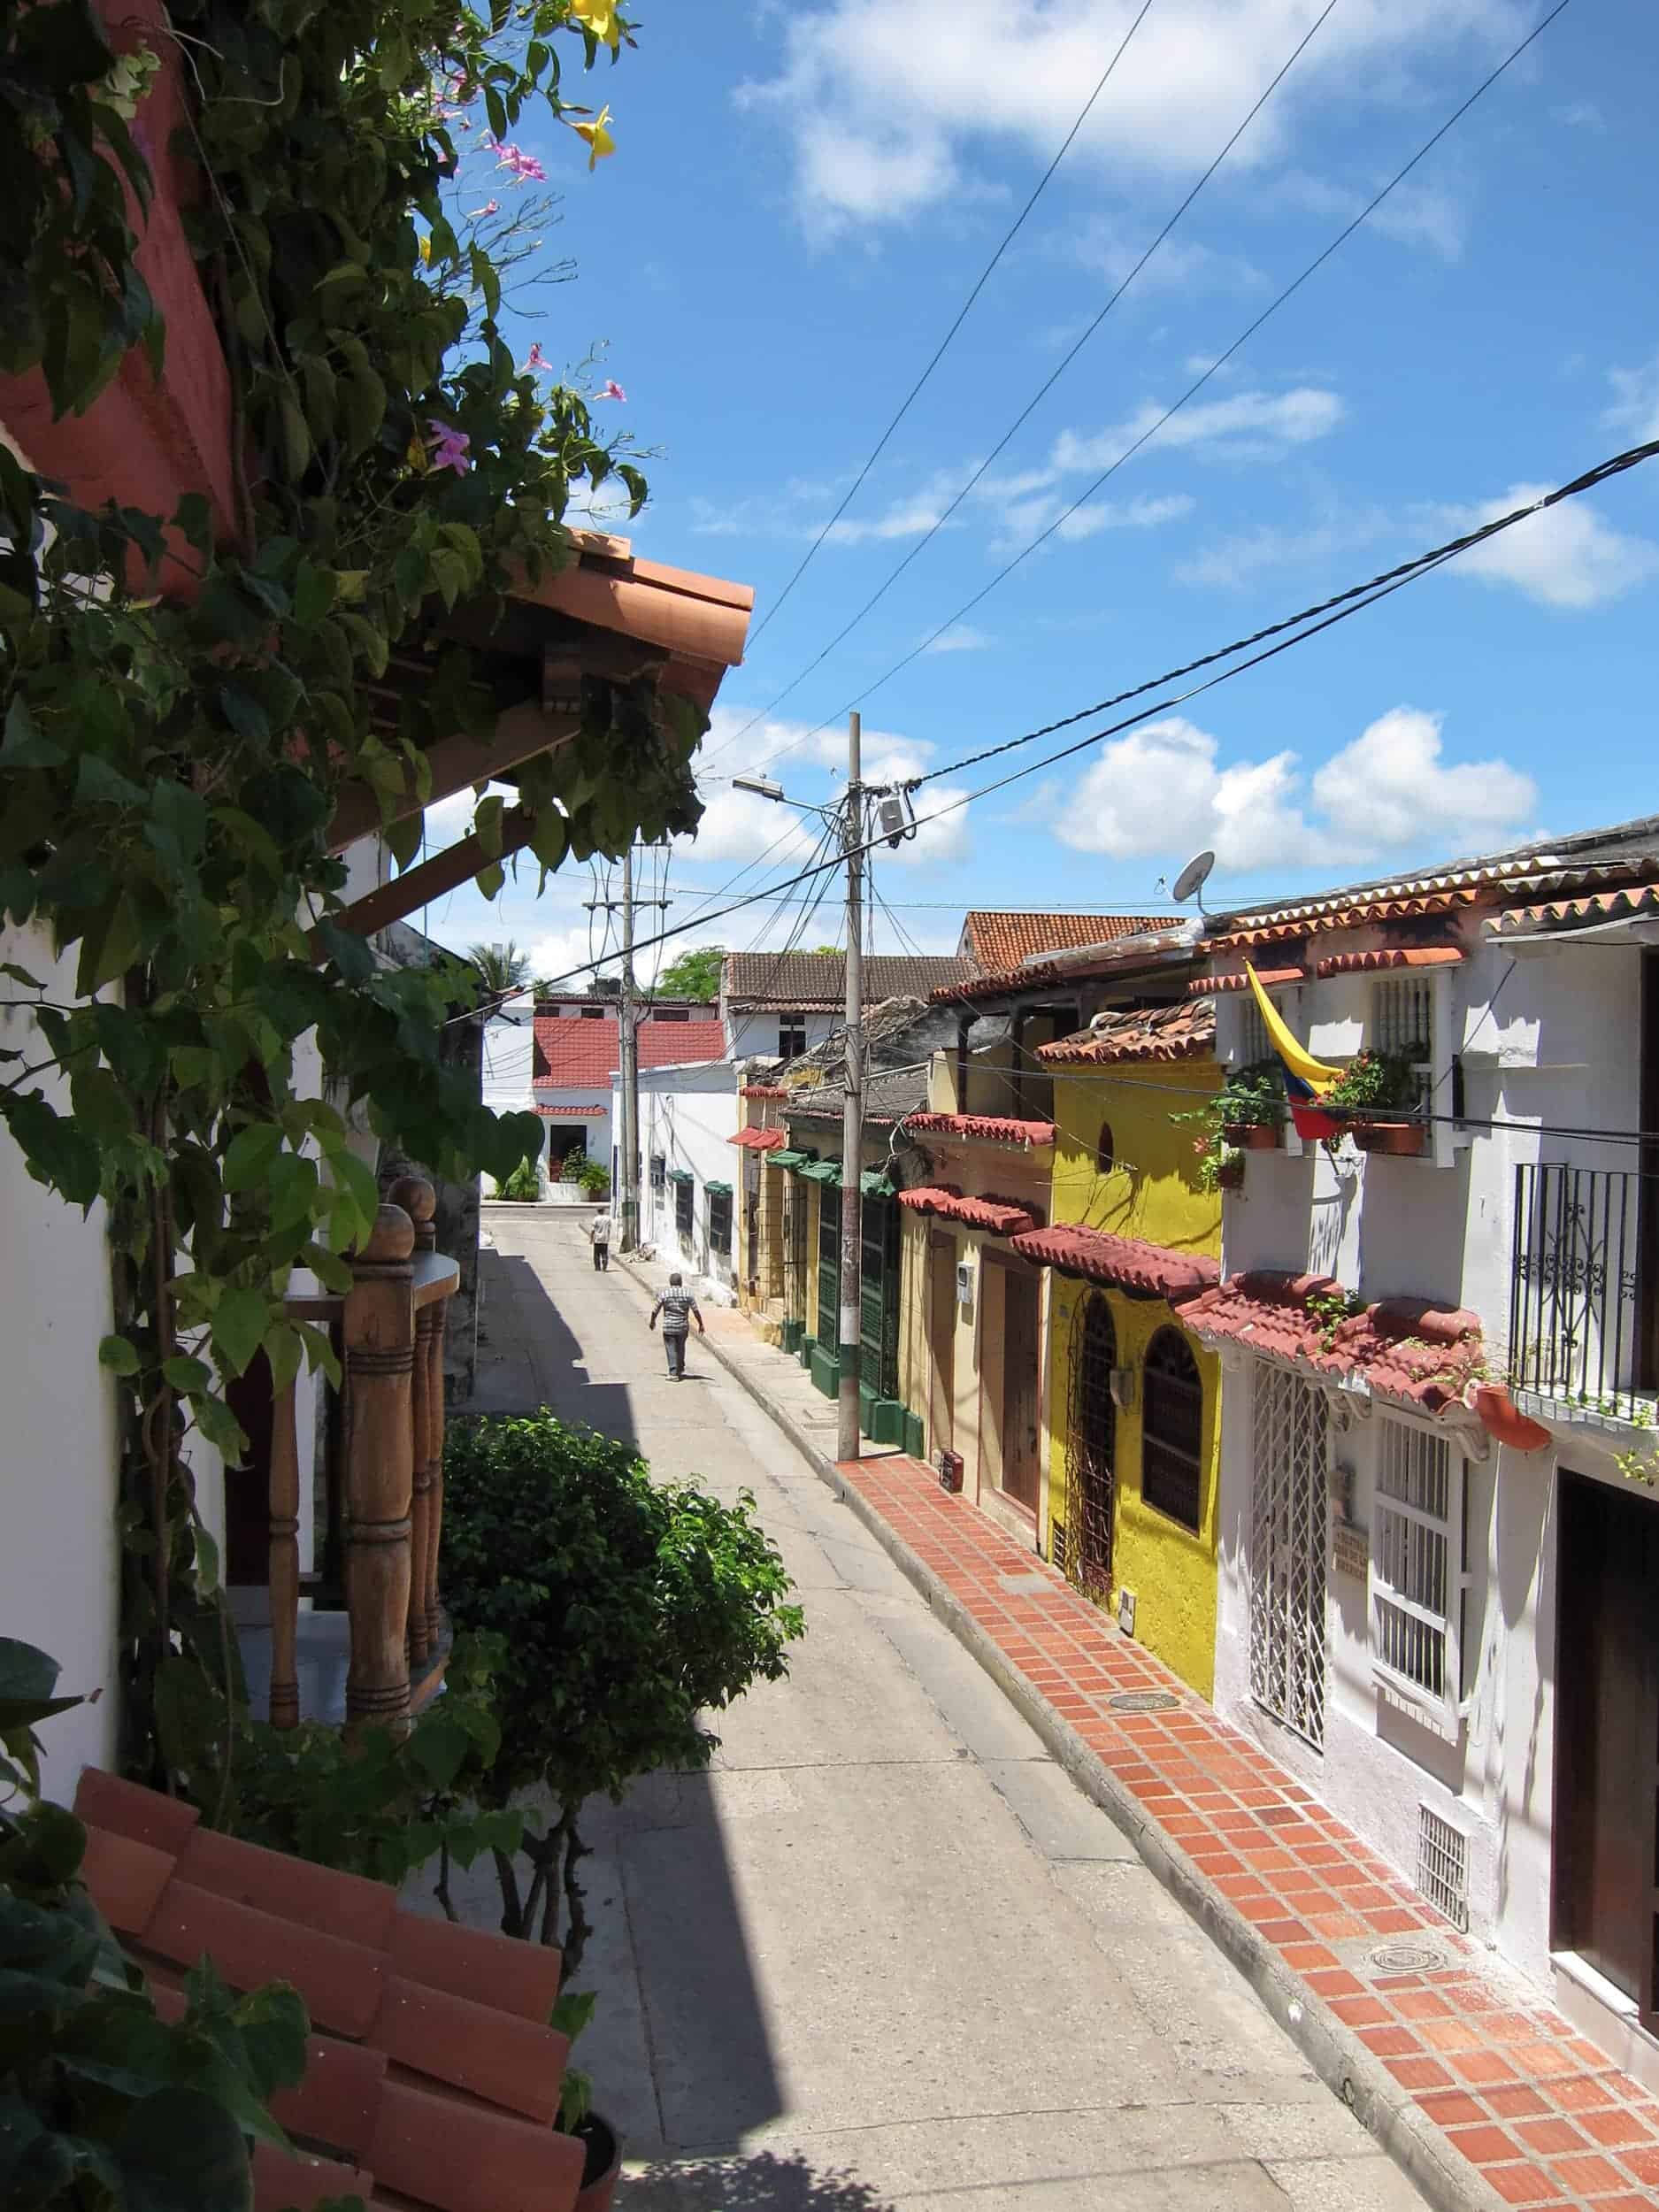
x=426 y=249
x=600 y=142
x=600 y=17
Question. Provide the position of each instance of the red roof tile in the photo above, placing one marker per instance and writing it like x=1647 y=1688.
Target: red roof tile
x=1001 y=1217
x=1482 y=883
x=1392 y=956
x=1185 y=1031
x=815 y=982
x=582 y=1055
x=571 y=1113
x=1599 y=906
x=1270 y=980
x=760 y=1140
x=764 y=1090
x=1002 y=940
x=995 y=1128
x=1127 y=1262
x=458 y=2120
x=1405 y=1348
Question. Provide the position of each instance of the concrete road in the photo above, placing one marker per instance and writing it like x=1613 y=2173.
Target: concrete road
x=883 y=1957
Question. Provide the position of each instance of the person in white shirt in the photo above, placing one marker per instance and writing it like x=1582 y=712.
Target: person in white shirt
x=599 y=1237
x=679 y=1309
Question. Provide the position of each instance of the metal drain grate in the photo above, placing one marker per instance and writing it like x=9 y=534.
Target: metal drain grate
x=1143 y=1701
x=1406 y=1958
x=1443 y=1866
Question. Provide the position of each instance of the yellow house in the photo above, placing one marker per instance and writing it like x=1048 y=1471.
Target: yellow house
x=1133 y=1400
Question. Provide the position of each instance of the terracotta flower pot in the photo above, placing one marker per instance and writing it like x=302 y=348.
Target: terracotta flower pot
x=1504 y=1421
x=1230 y=1175
x=603 y=2146
x=1254 y=1136
x=1400 y=1140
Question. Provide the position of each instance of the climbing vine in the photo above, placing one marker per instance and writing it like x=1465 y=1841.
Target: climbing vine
x=171 y=759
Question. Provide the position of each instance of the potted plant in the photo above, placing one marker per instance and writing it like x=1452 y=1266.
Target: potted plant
x=600 y=2141
x=1250 y=1108
x=1382 y=1092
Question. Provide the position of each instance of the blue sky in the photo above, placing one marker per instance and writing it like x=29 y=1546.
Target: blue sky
x=800 y=200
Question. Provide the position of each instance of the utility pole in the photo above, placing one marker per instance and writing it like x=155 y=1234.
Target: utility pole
x=628 y=1062
x=853 y=1114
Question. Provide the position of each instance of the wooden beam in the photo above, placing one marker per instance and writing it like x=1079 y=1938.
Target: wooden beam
x=429 y=879
x=520 y=733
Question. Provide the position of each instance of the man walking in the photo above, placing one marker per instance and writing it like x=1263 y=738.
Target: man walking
x=599 y=1236
x=678 y=1308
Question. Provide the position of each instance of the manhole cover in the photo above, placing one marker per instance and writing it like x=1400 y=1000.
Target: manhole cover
x=1406 y=1958
x=1143 y=1701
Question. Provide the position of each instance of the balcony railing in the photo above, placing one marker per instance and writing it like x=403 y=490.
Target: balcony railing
x=1575 y=1309
x=391 y=1323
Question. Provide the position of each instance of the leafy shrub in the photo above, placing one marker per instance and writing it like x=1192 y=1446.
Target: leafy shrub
x=524 y=1185
x=628 y=1609
x=595 y=1177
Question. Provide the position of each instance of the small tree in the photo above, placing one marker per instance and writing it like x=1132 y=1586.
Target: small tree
x=628 y=1608
x=695 y=974
x=501 y=968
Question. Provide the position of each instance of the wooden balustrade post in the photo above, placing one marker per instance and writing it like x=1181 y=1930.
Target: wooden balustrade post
x=284 y=1701
x=380 y=1354
x=419 y=1202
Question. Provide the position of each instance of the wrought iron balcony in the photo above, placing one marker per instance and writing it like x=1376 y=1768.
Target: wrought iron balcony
x=1576 y=1330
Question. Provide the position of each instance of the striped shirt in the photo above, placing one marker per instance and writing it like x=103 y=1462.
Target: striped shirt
x=676 y=1308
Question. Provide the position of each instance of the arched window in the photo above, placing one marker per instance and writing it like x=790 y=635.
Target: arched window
x=1173 y=1429
x=1105 y=1149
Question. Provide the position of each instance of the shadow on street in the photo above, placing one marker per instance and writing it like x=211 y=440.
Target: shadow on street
x=746 y=2181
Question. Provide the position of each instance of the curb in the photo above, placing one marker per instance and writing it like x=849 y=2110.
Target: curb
x=1387 y=2112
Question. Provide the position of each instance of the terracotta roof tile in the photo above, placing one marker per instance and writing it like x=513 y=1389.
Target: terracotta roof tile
x=1236 y=980
x=1409 y=1349
x=1185 y=1031
x=759 y=1140
x=815 y=982
x=1390 y=957
x=581 y=1055
x=998 y=983
x=999 y=941
x=1478 y=883
x=452 y=2114
x=1596 y=906
x=1126 y=1263
x=764 y=1090
x=1001 y=1216
x=994 y=1128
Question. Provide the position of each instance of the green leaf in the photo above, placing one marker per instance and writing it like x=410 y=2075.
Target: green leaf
x=219 y=1426
x=118 y=1354
x=549 y=837
x=404 y=838
x=490 y=879
x=251 y=1155
x=109 y=945
x=24 y=746
x=57 y=1152
x=245 y=712
x=240 y=1321
x=206 y=1563
x=14 y=974
x=486 y=819
x=180 y=2151
x=188 y=1374
x=313 y=593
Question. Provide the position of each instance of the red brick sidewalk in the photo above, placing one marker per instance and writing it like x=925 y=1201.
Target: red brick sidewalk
x=1535 y=2108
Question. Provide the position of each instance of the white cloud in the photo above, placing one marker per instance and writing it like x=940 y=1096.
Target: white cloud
x=1567 y=557
x=889 y=111
x=1233 y=561
x=1164 y=791
x=1112 y=247
x=910 y=517
x=1435 y=215
x=1580 y=115
x=1247 y=426
x=1025 y=518
x=961 y=637
x=1636 y=404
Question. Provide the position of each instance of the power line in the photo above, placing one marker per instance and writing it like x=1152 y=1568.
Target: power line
x=1197 y=384
x=1353 y=604
x=914 y=393
x=1042 y=390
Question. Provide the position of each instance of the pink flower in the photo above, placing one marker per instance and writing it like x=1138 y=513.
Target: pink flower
x=490 y=207
x=524 y=166
x=449 y=447
x=537 y=359
x=611 y=389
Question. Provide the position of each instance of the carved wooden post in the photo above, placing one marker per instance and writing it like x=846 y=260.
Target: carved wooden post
x=435 y=1319
x=284 y=1704
x=380 y=1344
x=419 y=1202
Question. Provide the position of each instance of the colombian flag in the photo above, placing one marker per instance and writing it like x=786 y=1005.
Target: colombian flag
x=1306 y=1080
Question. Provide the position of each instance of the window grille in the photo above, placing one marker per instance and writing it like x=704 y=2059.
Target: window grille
x=670 y=1014
x=720 y=1221
x=659 y=1173
x=1171 y=1429
x=1254 y=1042
x=1443 y=1866
x=1091 y=1451
x=1416 y=1566
x=1289 y=1524
x=1402 y=1015
x=791 y=1036
x=592 y=1013
x=683 y=1194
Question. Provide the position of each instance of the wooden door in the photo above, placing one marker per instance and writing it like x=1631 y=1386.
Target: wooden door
x=1019 y=1388
x=1607 y=1736
x=941 y=1317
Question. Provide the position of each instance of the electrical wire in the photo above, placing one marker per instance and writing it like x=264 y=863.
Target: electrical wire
x=1041 y=394
x=914 y=393
x=1195 y=387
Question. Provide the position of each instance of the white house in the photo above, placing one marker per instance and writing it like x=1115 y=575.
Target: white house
x=689 y=1116
x=776 y=1006
x=1437 y=1582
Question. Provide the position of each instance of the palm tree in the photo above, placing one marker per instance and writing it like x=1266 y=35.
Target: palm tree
x=502 y=969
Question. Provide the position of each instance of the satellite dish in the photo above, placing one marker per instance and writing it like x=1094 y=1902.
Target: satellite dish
x=1193 y=877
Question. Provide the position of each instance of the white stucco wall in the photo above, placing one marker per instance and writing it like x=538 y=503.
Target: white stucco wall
x=754 y=1035
x=687 y=1114
x=1544 y=1037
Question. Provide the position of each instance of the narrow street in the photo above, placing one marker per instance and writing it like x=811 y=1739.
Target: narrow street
x=884 y=1957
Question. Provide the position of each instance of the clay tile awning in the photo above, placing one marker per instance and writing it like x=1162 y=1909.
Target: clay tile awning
x=764 y=1090
x=992 y=1128
x=571 y=1113
x=1185 y=1031
x=1391 y=956
x=998 y=1216
x=1236 y=980
x=432 y=2080
x=1596 y=908
x=1122 y=1263
x=760 y=1140
x=1409 y=1349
